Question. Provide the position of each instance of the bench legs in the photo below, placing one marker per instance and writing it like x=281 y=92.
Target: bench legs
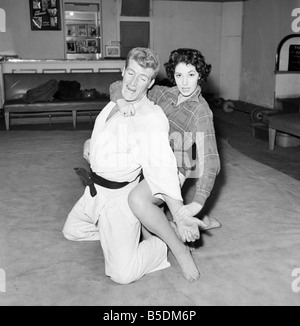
x=74 y=118
x=6 y=117
x=272 y=136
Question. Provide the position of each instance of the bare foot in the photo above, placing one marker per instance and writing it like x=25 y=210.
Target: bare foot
x=211 y=223
x=186 y=261
x=188 y=266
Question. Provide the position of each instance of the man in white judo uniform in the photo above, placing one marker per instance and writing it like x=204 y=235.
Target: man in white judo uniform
x=119 y=149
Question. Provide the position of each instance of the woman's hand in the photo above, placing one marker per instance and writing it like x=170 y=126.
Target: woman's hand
x=125 y=108
x=186 y=211
x=188 y=228
x=188 y=225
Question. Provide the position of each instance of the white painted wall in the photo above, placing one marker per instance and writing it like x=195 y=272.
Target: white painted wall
x=265 y=24
x=6 y=38
x=231 y=47
x=109 y=21
x=174 y=24
x=30 y=44
x=191 y=24
x=2 y=20
x=212 y=27
x=27 y=43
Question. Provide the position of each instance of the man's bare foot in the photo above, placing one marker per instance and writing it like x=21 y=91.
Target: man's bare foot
x=186 y=261
x=211 y=223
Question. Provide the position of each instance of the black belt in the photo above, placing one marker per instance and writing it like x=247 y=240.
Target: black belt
x=89 y=179
x=107 y=183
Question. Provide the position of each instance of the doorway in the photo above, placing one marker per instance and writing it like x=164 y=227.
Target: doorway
x=133 y=34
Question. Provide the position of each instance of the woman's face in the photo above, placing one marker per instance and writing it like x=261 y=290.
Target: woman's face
x=186 y=78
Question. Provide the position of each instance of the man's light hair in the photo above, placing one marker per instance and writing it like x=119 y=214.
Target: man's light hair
x=146 y=58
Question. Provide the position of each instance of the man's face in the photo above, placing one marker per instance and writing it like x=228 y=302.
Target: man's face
x=136 y=81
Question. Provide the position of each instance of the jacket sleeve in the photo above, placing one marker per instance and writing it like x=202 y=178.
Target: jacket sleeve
x=115 y=91
x=207 y=156
x=156 y=92
x=157 y=158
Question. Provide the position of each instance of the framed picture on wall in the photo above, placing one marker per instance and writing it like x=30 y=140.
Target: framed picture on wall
x=91 y=42
x=92 y=31
x=45 y=15
x=71 y=30
x=92 y=45
x=112 y=51
x=82 y=30
x=71 y=47
x=81 y=46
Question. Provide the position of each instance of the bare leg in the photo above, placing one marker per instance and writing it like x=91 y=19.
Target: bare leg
x=145 y=233
x=144 y=206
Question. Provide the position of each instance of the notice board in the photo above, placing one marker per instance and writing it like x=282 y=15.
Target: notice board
x=45 y=15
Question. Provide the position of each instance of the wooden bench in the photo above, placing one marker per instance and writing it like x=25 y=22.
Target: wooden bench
x=16 y=85
x=287 y=123
x=19 y=109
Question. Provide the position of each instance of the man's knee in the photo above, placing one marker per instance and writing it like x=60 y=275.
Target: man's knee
x=123 y=277
x=71 y=229
x=69 y=232
x=123 y=270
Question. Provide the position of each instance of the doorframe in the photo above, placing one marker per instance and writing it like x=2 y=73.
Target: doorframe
x=135 y=19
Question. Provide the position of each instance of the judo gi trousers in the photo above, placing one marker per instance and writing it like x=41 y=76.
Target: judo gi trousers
x=107 y=217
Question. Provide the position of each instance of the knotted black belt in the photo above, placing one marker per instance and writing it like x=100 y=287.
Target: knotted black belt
x=89 y=179
x=107 y=183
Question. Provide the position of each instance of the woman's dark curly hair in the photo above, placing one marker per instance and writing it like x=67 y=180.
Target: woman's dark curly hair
x=188 y=56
